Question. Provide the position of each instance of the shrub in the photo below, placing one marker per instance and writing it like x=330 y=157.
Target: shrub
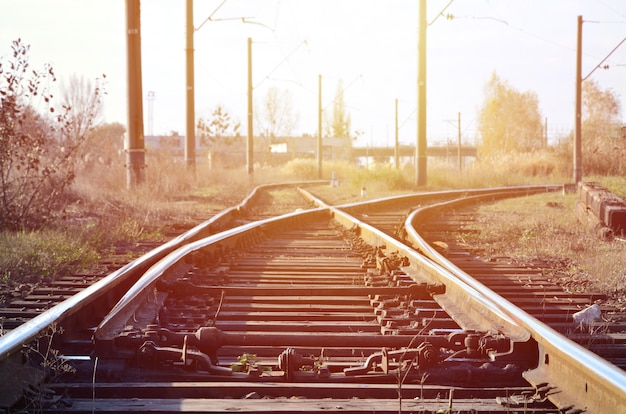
x=37 y=153
x=301 y=169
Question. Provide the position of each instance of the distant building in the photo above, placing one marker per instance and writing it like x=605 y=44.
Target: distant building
x=231 y=152
x=280 y=151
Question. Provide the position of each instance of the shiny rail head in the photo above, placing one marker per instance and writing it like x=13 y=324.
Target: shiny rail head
x=479 y=304
x=176 y=264
x=566 y=372
x=138 y=336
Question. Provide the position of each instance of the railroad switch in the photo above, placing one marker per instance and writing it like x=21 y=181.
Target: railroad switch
x=467 y=346
x=291 y=361
x=198 y=350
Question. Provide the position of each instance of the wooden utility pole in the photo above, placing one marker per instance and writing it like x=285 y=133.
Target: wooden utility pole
x=190 y=135
x=250 y=142
x=578 y=118
x=459 y=141
x=135 y=153
x=396 y=152
x=319 y=127
x=421 y=147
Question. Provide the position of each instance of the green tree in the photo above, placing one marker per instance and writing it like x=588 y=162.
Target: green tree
x=340 y=122
x=509 y=121
x=219 y=129
x=602 y=140
x=104 y=145
x=37 y=158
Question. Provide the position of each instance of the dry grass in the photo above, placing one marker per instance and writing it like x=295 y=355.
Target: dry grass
x=545 y=229
x=101 y=216
x=105 y=214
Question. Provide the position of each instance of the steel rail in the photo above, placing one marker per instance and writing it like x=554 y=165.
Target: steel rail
x=13 y=341
x=140 y=292
x=174 y=261
x=411 y=200
x=476 y=303
x=580 y=376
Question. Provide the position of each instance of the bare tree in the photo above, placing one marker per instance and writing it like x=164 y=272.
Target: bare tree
x=82 y=97
x=277 y=116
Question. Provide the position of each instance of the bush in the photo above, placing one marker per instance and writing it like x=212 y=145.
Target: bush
x=37 y=153
x=380 y=177
x=301 y=169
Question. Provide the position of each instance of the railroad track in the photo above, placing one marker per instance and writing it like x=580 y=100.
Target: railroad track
x=525 y=285
x=32 y=300
x=310 y=311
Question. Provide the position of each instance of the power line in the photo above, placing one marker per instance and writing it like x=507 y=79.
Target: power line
x=611 y=8
x=210 y=18
x=285 y=59
x=440 y=13
x=603 y=60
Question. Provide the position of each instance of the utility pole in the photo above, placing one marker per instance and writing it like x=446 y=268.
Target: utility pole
x=577 y=121
x=319 y=127
x=135 y=153
x=421 y=147
x=579 y=80
x=190 y=135
x=396 y=152
x=250 y=142
x=459 y=149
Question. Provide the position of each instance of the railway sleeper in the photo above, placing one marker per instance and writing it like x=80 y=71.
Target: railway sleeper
x=250 y=397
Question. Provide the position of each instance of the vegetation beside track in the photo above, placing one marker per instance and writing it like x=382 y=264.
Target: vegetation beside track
x=544 y=230
x=102 y=217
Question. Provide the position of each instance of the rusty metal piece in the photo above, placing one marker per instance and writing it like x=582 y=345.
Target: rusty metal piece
x=210 y=339
x=152 y=356
x=290 y=361
x=425 y=355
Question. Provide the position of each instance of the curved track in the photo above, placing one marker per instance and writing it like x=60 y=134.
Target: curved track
x=310 y=311
x=578 y=378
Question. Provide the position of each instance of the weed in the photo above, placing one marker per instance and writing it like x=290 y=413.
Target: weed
x=43 y=254
x=41 y=353
x=248 y=363
x=317 y=365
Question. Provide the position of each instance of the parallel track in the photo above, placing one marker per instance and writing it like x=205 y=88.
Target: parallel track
x=312 y=311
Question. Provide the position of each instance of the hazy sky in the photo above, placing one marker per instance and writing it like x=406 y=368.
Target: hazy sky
x=371 y=45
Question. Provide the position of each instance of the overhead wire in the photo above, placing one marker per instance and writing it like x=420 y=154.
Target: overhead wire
x=211 y=15
x=285 y=59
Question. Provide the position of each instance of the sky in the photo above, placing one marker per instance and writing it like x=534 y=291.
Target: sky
x=370 y=46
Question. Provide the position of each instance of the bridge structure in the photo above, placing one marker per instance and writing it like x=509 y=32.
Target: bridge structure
x=409 y=151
